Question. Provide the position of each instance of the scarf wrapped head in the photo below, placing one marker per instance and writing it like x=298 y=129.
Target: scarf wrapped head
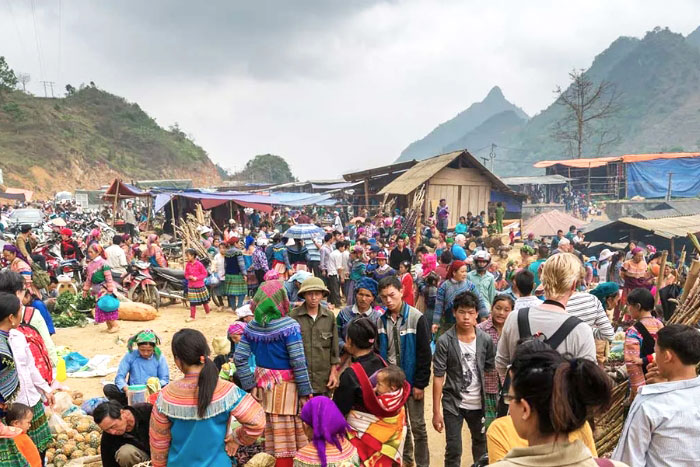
x=147 y=336
x=368 y=284
x=237 y=328
x=271 y=275
x=605 y=290
x=328 y=424
x=270 y=302
x=153 y=238
x=429 y=263
x=15 y=250
x=97 y=248
x=454 y=267
x=636 y=250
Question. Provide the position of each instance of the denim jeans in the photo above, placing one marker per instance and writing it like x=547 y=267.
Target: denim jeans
x=416 y=434
x=453 y=435
x=235 y=301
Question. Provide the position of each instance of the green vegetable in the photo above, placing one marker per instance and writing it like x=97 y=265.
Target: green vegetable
x=65 y=312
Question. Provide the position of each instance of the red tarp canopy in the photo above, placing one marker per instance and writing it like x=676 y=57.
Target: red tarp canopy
x=125 y=190
x=547 y=223
x=266 y=208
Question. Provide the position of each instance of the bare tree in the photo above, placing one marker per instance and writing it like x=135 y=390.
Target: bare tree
x=587 y=107
x=23 y=79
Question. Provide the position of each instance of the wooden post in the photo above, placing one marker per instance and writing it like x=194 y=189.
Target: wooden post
x=172 y=217
x=681 y=260
x=150 y=212
x=366 y=183
x=589 y=182
x=662 y=271
x=116 y=201
x=673 y=250
x=690 y=280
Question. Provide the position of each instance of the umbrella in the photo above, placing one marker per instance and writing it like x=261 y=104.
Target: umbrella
x=355 y=219
x=303 y=231
x=58 y=222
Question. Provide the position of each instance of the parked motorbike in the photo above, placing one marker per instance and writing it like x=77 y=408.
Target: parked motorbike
x=139 y=284
x=170 y=284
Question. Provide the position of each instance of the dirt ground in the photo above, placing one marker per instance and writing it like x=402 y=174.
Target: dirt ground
x=93 y=340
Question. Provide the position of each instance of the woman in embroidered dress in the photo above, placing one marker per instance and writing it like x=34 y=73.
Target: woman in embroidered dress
x=93 y=237
x=456 y=283
x=235 y=287
x=197 y=292
x=377 y=433
x=406 y=282
x=19 y=264
x=9 y=378
x=201 y=419
x=635 y=273
x=326 y=429
x=500 y=309
x=154 y=253
x=281 y=380
x=98 y=282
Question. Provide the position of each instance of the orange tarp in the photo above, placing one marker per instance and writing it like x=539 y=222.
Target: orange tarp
x=627 y=158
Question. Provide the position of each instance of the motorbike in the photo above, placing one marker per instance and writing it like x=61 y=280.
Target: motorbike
x=139 y=284
x=170 y=283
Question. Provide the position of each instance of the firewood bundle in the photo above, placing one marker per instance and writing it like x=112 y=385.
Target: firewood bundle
x=688 y=312
x=609 y=425
x=409 y=225
x=188 y=231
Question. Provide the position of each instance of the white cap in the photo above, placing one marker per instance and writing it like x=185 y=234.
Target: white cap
x=564 y=241
x=244 y=311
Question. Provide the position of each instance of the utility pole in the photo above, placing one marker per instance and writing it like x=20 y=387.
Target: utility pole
x=492 y=154
x=50 y=84
x=668 y=190
x=486 y=160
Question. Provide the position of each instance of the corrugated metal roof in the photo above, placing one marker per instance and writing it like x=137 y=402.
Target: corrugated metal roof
x=536 y=180
x=579 y=163
x=668 y=227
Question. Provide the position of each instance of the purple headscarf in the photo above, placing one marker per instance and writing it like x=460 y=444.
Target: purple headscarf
x=15 y=250
x=329 y=425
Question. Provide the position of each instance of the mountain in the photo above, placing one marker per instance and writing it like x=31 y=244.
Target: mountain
x=459 y=126
x=88 y=138
x=658 y=79
x=496 y=129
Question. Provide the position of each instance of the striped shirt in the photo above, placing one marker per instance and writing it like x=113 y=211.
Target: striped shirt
x=588 y=309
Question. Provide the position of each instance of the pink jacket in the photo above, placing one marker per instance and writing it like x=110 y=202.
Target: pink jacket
x=197 y=270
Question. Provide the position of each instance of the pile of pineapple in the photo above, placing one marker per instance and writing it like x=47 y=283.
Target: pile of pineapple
x=82 y=439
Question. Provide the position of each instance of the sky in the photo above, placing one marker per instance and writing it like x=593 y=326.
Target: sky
x=333 y=86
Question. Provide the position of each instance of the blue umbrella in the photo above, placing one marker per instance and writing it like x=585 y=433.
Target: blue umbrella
x=303 y=231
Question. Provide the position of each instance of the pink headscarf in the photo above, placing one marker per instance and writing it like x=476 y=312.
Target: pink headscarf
x=271 y=275
x=236 y=328
x=429 y=263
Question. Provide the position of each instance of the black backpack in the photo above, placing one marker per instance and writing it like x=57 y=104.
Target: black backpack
x=554 y=341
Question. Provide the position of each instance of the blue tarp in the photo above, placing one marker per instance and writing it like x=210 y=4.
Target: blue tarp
x=511 y=203
x=650 y=178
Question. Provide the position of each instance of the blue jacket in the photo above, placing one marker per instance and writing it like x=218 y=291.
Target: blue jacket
x=414 y=340
x=140 y=369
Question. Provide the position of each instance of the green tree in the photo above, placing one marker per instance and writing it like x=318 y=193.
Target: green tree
x=266 y=168
x=8 y=80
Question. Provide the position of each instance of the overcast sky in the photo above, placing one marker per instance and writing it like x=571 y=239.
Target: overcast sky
x=334 y=85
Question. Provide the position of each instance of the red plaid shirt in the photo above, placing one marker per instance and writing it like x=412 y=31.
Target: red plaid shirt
x=491 y=382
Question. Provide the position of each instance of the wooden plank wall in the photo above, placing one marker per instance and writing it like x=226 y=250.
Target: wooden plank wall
x=464 y=190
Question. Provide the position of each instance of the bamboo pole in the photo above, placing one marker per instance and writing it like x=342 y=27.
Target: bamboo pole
x=660 y=278
x=172 y=218
x=150 y=212
x=690 y=280
x=114 y=206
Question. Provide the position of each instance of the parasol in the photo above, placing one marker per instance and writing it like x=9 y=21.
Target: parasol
x=303 y=231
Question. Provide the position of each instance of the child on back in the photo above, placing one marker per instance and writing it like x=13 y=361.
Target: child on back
x=20 y=416
x=429 y=292
x=389 y=388
x=640 y=338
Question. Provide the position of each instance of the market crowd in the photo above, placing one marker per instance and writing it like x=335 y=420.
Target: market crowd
x=338 y=331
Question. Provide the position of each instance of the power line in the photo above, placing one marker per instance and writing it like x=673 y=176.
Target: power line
x=14 y=20
x=36 y=37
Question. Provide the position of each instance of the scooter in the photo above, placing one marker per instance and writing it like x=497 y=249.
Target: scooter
x=170 y=283
x=139 y=284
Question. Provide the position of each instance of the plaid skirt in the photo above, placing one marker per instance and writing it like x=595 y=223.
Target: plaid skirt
x=39 y=429
x=10 y=455
x=235 y=285
x=198 y=295
x=491 y=412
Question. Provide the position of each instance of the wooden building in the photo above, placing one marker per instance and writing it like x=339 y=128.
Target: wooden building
x=460 y=179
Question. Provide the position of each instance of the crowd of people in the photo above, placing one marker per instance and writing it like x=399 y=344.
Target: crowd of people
x=337 y=337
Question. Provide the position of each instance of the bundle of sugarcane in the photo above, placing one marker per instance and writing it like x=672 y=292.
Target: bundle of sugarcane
x=609 y=425
x=188 y=231
x=688 y=312
x=409 y=225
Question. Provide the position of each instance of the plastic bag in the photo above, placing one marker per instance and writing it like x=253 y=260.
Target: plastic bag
x=57 y=424
x=74 y=362
x=62 y=402
x=90 y=404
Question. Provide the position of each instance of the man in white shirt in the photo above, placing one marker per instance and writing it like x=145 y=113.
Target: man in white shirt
x=523 y=284
x=116 y=258
x=663 y=425
x=335 y=273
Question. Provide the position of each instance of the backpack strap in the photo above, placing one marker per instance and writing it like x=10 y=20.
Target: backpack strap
x=28 y=314
x=562 y=333
x=524 y=322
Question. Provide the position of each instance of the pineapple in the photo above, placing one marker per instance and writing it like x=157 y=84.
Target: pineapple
x=60 y=460
x=77 y=454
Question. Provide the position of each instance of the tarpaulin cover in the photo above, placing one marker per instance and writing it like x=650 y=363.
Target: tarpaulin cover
x=511 y=203
x=266 y=208
x=650 y=178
